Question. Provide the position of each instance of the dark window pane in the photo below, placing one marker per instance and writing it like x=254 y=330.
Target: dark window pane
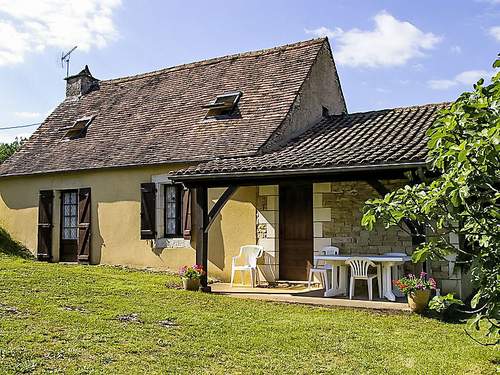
x=172 y=210
x=69 y=216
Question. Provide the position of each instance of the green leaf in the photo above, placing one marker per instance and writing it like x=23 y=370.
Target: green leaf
x=462 y=156
x=475 y=300
x=419 y=255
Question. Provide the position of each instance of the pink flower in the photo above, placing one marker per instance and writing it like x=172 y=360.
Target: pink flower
x=432 y=282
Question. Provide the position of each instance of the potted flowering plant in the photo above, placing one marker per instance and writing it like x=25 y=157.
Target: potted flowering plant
x=190 y=276
x=417 y=290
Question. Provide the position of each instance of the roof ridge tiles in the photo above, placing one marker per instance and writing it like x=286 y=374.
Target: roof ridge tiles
x=411 y=107
x=215 y=60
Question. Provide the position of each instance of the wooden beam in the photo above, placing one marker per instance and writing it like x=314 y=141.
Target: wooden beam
x=216 y=209
x=378 y=187
x=200 y=216
x=224 y=181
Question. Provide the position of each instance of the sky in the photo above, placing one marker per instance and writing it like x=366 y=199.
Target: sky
x=388 y=53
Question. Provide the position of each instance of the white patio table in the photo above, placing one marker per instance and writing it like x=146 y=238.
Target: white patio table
x=340 y=287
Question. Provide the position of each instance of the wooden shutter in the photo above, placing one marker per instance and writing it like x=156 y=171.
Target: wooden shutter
x=186 y=213
x=84 y=229
x=148 y=208
x=45 y=211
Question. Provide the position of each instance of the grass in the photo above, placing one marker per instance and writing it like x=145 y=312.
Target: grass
x=96 y=319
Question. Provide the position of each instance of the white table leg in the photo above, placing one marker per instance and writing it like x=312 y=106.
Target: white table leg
x=332 y=290
x=387 y=282
x=334 y=282
x=343 y=280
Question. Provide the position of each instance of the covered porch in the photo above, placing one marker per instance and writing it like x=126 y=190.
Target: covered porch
x=296 y=216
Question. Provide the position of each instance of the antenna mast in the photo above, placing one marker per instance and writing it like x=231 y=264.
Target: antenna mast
x=65 y=59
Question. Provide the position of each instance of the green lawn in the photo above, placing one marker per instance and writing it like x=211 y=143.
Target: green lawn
x=64 y=319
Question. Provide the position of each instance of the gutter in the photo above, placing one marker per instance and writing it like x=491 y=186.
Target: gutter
x=296 y=172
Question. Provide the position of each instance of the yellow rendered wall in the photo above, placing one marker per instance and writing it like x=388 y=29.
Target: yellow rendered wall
x=116 y=218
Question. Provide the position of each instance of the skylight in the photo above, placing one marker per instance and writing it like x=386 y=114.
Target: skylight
x=223 y=104
x=79 y=128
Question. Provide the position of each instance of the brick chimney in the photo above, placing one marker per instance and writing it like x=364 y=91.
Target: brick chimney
x=81 y=83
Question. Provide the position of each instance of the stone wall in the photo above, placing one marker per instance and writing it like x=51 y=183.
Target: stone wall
x=321 y=89
x=337 y=220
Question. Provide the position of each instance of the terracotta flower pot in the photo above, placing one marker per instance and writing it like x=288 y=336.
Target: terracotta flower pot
x=418 y=300
x=191 y=284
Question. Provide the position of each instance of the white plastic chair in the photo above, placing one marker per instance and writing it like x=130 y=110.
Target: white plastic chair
x=359 y=270
x=323 y=270
x=247 y=261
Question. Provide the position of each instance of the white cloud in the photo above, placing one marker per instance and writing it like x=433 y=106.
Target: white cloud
x=441 y=84
x=28 y=114
x=33 y=25
x=456 y=50
x=323 y=31
x=495 y=32
x=468 y=78
x=391 y=43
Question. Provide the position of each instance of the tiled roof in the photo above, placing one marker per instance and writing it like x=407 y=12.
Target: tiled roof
x=157 y=117
x=391 y=136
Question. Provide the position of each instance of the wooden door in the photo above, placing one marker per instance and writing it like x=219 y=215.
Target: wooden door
x=69 y=226
x=295 y=230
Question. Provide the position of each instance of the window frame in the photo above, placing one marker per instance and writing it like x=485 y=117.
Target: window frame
x=78 y=129
x=178 y=233
x=63 y=204
x=219 y=108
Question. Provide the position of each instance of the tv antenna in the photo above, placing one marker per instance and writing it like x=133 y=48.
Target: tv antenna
x=65 y=59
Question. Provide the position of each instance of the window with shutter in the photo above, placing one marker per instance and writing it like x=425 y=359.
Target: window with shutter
x=148 y=208
x=45 y=213
x=173 y=213
x=172 y=210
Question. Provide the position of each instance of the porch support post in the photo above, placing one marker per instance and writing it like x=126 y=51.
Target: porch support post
x=201 y=220
x=216 y=209
x=414 y=228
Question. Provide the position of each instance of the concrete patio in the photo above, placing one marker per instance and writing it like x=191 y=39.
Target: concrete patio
x=300 y=294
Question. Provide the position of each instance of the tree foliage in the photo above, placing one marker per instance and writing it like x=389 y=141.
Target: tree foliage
x=463 y=198
x=7 y=149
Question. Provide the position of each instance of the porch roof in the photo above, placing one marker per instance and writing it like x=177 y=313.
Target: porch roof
x=385 y=139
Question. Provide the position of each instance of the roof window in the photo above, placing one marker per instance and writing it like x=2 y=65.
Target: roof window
x=79 y=128
x=223 y=105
